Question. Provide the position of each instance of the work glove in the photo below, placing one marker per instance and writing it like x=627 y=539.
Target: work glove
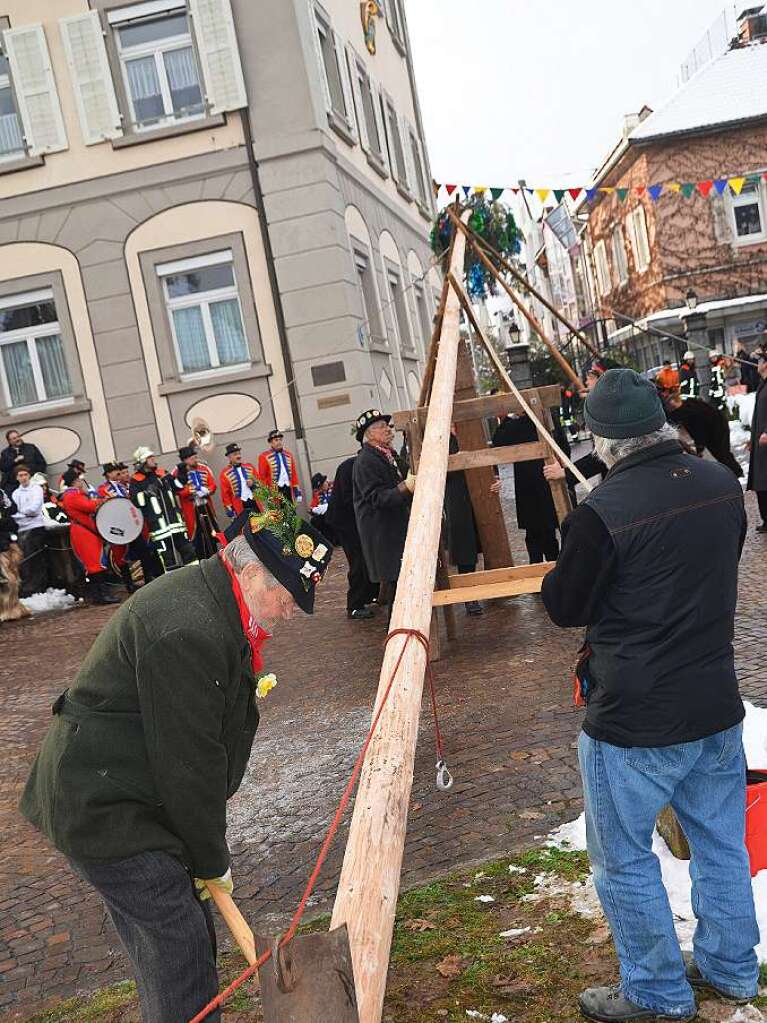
x=410 y=482
x=224 y=882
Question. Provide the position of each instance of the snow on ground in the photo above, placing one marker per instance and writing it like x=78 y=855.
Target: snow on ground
x=676 y=873
x=51 y=600
x=740 y=428
x=745 y=405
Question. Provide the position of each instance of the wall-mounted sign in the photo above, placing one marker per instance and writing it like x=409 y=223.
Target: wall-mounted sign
x=369 y=11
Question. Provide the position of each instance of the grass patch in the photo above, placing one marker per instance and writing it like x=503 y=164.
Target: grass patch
x=107 y=1006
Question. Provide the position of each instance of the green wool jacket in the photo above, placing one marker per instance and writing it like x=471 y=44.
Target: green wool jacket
x=155 y=734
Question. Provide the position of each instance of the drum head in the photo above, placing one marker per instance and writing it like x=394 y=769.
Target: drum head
x=119 y=521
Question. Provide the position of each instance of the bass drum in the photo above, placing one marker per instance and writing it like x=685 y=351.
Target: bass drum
x=119 y=521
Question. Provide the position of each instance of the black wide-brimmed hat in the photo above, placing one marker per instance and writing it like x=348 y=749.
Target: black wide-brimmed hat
x=296 y=554
x=367 y=419
x=272 y=434
x=108 y=467
x=231 y=448
x=187 y=452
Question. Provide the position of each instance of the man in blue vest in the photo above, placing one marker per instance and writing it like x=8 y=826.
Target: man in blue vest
x=649 y=565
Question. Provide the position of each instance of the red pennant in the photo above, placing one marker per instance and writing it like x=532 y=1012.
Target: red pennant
x=574 y=193
x=640 y=189
x=450 y=189
x=516 y=190
x=704 y=187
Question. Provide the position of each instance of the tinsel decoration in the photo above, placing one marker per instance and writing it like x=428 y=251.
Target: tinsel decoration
x=494 y=223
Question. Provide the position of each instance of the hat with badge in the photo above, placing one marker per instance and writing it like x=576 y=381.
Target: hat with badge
x=231 y=448
x=294 y=552
x=272 y=435
x=367 y=419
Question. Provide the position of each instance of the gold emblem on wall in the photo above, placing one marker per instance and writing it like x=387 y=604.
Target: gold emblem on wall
x=369 y=11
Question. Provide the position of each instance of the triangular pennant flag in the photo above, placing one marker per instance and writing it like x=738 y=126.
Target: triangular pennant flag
x=559 y=194
x=608 y=190
x=591 y=194
x=497 y=193
x=656 y=191
x=575 y=193
x=687 y=189
x=515 y=190
x=736 y=184
x=435 y=187
x=622 y=193
x=450 y=189
x=466 y=190
x=640 y=189
x=674 y=186
x=753 y=179
x=480 y=189
x=704 y=187
x=543 y=193
x=720 y=184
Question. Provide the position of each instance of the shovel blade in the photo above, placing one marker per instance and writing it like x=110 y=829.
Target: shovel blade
x=311 y=980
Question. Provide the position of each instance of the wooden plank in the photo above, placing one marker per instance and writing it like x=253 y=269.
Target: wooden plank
x=560 y=495
x=494 y=591
x=483 y=407
x=370 y=876
x=431 y=359
x=499 y=575
x=490 y=524
x=496 y=456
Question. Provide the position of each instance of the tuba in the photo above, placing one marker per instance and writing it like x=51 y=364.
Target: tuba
x=202 y=436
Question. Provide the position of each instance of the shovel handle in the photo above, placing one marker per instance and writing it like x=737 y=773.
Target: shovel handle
x=236 y=923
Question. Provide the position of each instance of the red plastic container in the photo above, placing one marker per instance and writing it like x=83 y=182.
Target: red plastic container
x=756 y=820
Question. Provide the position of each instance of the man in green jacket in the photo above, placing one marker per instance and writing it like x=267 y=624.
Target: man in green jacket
x=153 y=737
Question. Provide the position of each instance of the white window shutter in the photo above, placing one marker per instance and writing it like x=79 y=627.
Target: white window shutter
x=320 y=59
x=91 y=77
x=362 y=128
x=377 y=97
x=36 y=92
x=410 y=169
x=219 y=54
x=346 y=85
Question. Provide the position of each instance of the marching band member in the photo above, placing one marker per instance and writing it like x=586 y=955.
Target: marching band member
x=79 y=466
x=117 y=484
x=112 y=487
x=277 y=468
x=155 y=492
x=89 y=548
x=198 y=485
x=237 y=480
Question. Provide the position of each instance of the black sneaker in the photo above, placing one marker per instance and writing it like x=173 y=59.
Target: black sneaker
x=609 y=1005
x=699 y=983
x=360 y=614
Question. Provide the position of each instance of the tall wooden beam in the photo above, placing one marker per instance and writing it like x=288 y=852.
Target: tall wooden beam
x=367 y=891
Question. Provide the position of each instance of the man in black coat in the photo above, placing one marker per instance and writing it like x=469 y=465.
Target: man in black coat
x=19 y=452
x=757 y=466
x=462 y=538
x=649 y=565
x=382 y=498
x=341 y=519
x=706 y=426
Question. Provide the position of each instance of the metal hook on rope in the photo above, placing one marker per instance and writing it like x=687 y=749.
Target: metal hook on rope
x=444 y=777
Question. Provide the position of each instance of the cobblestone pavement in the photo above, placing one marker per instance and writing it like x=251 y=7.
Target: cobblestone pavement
x=509 y=730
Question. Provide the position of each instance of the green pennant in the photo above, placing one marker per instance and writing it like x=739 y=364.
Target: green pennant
x=497 y=193
x=559 y=194
x=622 y=193
x=688 y=190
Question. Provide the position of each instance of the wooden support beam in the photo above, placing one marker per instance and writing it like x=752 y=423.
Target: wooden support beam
x=492 y=591
x=530 y=317
x=431 y=358
x=483 y=407
x=370 y=875
x=499 y=575
x=496 y=456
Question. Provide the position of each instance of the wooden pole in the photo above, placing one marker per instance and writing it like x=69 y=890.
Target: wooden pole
x=524 y=282
x=431 y=359
x=500 y=369
x=369 y=884
x=530 y=317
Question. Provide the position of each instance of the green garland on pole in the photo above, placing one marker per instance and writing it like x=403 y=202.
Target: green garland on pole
x=495 y=224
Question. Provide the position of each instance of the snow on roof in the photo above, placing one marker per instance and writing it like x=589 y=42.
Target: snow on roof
x=731 y=88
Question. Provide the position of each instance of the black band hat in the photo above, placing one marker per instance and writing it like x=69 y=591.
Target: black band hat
x=187 y=452
x=231 y=448
x=108 y=467
x=272 y=434
x=295 y=553
x=367 y=419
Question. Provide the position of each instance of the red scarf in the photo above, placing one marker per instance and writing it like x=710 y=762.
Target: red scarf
x=385 y=450
x=255 y=634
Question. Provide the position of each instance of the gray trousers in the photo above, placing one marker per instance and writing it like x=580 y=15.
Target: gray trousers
x=166 y=931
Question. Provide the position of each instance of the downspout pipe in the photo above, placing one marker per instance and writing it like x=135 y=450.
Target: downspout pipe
x=282 y=331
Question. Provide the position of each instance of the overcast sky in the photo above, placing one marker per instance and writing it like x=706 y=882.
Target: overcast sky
x=537 y=89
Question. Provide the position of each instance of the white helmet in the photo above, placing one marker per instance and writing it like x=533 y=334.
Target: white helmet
x=689 y=355
x=714 y=354
x=141 y=454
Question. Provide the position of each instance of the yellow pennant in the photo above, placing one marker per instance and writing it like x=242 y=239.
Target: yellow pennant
x=608 y=190
x=736 y=184
x=543 y=193
x=480 y=189
x=674 y=186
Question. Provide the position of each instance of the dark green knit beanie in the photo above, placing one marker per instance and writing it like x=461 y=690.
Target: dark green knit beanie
x=623 y=404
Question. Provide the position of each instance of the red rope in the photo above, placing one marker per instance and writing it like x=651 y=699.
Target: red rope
x=409 y=634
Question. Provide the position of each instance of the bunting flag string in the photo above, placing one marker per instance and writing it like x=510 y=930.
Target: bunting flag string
x=547 y=196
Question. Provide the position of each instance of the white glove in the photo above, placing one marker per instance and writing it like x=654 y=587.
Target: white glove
x=225 y=883
x=203 y=491
x=410 y=482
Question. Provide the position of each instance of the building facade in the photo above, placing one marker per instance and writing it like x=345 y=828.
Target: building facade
x=214 y=217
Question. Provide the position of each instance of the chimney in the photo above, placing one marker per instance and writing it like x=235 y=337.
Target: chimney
x=752 y=25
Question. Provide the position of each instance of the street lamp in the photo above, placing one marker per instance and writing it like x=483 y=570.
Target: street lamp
x=691 y=299
x=514 y=333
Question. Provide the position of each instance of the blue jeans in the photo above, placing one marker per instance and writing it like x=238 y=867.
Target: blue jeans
x=705 y=782
x=167 y=932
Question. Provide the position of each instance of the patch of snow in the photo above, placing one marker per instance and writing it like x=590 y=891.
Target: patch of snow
x=514 y=932
x=51 y=600
x=514 y=869
x=745 y=404
x=484 y=898
x=676 y=873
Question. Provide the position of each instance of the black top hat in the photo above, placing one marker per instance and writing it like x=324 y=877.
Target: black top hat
x=76 y=464
x=231 y=448
x=317 y=480
x=272 y=434
x=108 y=467
x=367 y=419
x=187 y=452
